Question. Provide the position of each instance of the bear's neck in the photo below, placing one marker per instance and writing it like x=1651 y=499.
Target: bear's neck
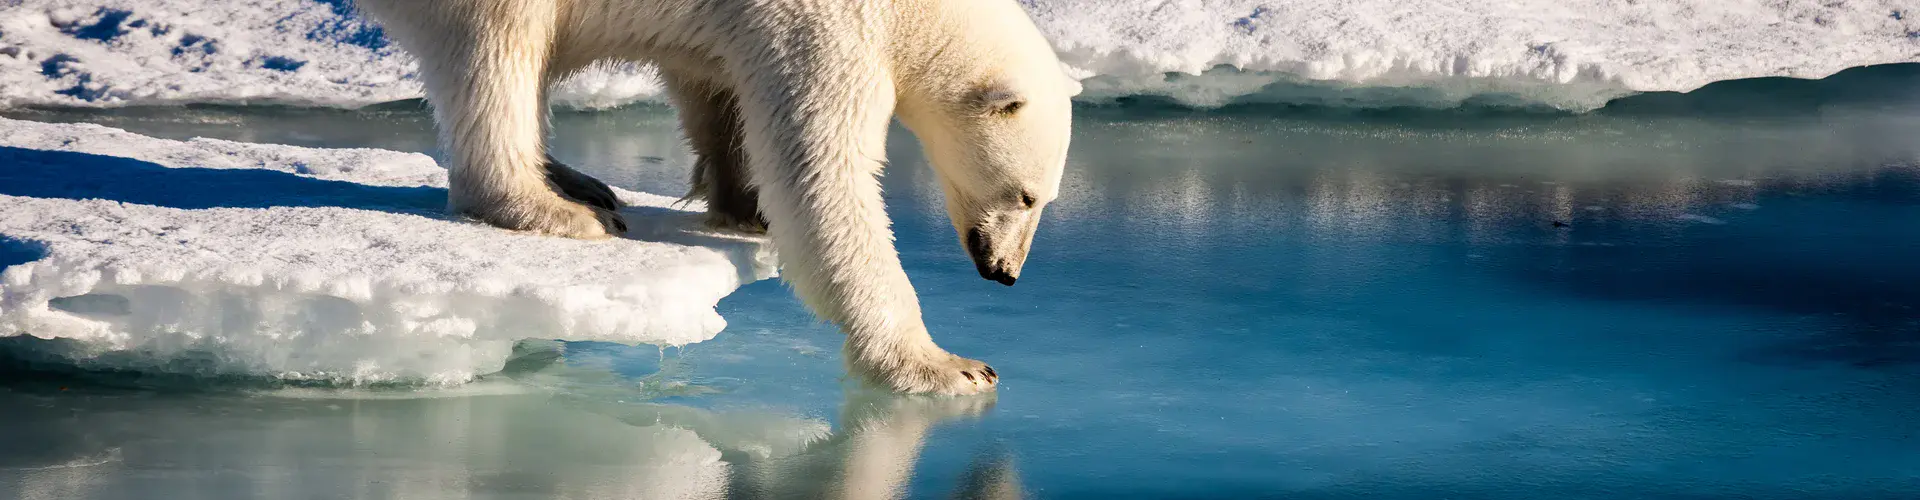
x=934 y=53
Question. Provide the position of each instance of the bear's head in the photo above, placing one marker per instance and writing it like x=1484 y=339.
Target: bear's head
x=996 y=131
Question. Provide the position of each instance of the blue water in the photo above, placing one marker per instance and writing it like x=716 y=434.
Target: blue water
x=1212 y=312
x=1234 y=304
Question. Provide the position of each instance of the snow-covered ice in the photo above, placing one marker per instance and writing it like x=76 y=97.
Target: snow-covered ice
x=1573 y=54
x=293 y=52
x=1570 y=54
x=334 y=264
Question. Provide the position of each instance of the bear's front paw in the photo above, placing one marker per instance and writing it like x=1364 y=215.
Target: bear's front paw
x=941 y=373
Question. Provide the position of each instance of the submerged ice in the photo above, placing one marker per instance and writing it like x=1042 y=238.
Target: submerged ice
x=214 y=256
x=1572 y=55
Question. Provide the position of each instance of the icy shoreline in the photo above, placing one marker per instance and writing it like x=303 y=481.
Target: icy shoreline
x=331 y=264
x=1570 y=55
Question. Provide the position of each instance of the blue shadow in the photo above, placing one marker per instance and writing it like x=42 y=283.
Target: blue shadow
x=62 y=174
x=80 y=176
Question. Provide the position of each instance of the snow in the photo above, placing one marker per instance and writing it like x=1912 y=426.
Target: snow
x=290 y=52
x=1573 y=54
x=328 y=264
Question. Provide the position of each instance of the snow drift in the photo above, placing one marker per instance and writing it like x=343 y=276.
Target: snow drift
x=1570 y=54
x=222 y=257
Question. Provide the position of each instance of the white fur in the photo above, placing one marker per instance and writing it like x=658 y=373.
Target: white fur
x=816 y=83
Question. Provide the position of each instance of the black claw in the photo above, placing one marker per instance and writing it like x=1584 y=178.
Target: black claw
x=968 y=375
x=581 y=187
x=615 y=224
x=990 y=372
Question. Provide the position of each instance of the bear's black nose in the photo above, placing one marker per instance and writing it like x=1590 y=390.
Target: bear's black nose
x=996 y=274
x=981 y=251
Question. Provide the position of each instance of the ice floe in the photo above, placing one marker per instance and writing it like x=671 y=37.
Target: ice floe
x=337 y=264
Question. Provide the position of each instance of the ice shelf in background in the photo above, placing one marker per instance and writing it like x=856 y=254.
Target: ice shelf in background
x=212 y=256
x=1568 y=54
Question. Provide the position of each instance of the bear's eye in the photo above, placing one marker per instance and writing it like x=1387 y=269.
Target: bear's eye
x=999 y=101
x=1026 y=199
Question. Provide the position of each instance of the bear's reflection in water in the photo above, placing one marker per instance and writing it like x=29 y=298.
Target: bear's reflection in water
x=489 y=440
x=873 y=453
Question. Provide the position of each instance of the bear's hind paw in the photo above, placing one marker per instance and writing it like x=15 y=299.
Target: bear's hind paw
x=610 y=220
x=581 y=187
x=552 y=215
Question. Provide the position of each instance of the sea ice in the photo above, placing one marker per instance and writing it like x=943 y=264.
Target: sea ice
x=295 y=52
x=1570 y=54
x=1573 y=54
x=334 y=264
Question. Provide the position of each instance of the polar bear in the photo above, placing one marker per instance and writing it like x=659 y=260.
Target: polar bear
x=787 y=104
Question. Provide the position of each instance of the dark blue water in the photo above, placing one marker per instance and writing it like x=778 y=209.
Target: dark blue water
x=1233 y=304
x=1245 y=307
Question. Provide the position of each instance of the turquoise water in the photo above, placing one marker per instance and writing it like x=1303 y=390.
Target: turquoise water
x=1233 y=304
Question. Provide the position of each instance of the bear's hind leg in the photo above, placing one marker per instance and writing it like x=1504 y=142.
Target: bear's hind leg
x=711 y=117
x=485 y=76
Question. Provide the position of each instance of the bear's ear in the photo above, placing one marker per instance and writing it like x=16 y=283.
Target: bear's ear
x=1000 y=101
